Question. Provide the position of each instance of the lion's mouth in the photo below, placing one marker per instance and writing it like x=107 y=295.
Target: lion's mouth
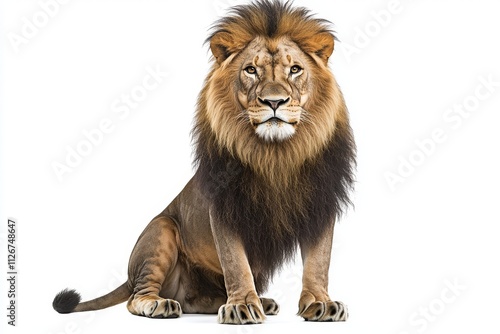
x=274 y=120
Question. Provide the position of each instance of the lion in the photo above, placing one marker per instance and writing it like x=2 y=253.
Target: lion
x=274 y=156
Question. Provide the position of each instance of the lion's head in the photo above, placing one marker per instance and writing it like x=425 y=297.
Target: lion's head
x=270 y=98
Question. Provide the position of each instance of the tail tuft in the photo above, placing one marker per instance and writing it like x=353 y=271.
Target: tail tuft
x=66 y=301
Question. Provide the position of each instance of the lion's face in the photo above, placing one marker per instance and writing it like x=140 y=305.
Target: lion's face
x=273 y=87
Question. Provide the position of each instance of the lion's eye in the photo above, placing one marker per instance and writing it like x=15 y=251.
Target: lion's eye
x=250 y=70
x=295 y=69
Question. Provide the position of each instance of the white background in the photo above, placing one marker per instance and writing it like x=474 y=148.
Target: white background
x=395 y=253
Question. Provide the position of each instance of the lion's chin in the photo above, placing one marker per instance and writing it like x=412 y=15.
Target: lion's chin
x=275 y=131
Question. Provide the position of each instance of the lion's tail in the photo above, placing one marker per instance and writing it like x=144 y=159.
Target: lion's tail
x=68 y=301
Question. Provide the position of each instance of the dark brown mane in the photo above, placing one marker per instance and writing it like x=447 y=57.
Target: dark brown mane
x=272 y=222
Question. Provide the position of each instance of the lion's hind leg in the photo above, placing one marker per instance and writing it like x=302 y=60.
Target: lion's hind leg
x=154 y=306
x=270 y=306
x=152 y=265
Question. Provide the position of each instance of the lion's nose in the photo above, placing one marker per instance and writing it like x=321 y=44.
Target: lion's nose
x=274 y=104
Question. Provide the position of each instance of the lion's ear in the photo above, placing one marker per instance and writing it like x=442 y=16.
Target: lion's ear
x=221 y=45
x=321 y=45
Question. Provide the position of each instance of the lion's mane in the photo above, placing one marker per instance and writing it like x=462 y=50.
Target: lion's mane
x=272 y=195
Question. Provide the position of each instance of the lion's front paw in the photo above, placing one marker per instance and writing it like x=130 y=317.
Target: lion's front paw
x=325 y=311
x=240 y=314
